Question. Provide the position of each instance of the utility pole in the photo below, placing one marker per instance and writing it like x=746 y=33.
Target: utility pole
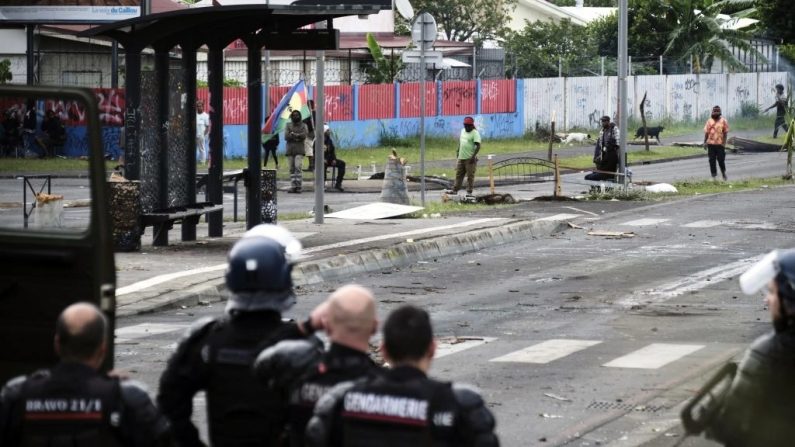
x=622 y=87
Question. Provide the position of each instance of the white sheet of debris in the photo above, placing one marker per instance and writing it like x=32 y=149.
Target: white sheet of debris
x=661 y=187
x=373 y=211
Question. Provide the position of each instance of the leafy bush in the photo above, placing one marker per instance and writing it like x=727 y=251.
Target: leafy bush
x=749 y=109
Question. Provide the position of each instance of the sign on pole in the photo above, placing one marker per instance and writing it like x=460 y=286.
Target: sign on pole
x=414 y=56
x=424 y=38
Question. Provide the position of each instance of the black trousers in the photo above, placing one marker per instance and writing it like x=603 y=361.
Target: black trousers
x=271 y=151
x=340 y=170
x=717 y=153
x=781 y=121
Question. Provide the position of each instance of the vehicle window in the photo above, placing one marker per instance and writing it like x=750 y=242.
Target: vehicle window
x=44 y=169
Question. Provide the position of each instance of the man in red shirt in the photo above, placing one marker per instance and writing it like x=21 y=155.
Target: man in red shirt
x=716 y=131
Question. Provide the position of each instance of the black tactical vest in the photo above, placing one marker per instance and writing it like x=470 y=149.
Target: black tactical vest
x=419 y=412
x=339 y=364
x=241 y=410
x=74 y=410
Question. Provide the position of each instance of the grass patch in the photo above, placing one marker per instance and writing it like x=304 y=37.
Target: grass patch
x=675 y=129
x=450 y=208
x=295 y=215
x=635 y=157
x=619 y=194
x=695 y=187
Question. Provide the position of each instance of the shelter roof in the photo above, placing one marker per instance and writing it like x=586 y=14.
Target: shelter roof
x=224 y=22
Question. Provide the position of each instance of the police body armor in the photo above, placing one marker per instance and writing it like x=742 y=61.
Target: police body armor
x=338 y=365
x=419 y=412
x=67 y=409
x=241 y=411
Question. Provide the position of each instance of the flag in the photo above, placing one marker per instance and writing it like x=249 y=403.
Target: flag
x=294 y=99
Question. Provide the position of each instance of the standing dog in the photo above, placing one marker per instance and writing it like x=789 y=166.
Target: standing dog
x=653 y=132
x=576 y=137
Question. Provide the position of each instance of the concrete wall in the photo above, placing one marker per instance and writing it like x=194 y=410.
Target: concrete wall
x=579 y=102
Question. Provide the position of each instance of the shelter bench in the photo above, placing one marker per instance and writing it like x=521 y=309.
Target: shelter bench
x=163 y=220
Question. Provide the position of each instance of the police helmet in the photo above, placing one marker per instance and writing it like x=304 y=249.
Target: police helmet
x=259 y=276
x=292 y=246
x=778 y=265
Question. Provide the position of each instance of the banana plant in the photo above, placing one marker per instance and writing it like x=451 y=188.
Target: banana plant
x=384 y=69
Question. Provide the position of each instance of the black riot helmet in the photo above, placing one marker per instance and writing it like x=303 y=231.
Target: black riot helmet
x=259 y=276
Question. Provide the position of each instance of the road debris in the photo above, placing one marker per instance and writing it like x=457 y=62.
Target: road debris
x=556 y=397
x=549 y=416
x=575 y=226
x=612 y=234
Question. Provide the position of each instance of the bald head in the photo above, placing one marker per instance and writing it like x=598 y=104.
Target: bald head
x=351 y=312
x=80 y=333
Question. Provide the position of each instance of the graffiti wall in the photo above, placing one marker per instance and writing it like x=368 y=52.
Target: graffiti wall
x=654 y=89
x=543 y=100
x=586 y=101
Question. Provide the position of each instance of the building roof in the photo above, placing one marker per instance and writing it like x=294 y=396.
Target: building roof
x=355 y=45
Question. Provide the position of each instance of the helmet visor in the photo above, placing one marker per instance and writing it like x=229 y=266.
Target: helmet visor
x=760 y=273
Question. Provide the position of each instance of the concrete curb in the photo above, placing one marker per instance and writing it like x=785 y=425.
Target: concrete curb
x=209 y=287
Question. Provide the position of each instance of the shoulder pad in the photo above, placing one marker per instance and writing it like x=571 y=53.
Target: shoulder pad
x=12 y=389
x=200 y=327
x=286 y=362
x=468 y=396
x=319 y=428
x=329 y=400
x=134 y=392
x=476 y=417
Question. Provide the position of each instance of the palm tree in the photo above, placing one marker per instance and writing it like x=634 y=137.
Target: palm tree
x=703 y=34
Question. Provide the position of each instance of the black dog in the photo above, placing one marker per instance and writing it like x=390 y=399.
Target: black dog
x=653 y=132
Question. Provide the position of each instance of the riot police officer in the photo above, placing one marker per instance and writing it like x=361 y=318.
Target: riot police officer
x=758 y=408
x=403 y=405
x=217 y=354
x=348 y=318
x=74 y=403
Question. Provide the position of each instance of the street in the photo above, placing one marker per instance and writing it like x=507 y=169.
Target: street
x=573 y=339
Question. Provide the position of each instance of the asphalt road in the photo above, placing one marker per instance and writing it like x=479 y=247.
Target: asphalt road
x=574 y=339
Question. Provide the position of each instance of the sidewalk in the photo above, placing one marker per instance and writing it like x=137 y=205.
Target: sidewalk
x=188 y=273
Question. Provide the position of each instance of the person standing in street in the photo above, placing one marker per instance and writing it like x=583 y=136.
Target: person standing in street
x=217 y=354
x=348 y=318
x=309 y=143
x=270 y=146
x=295 y=133
x=403 y=405
x=757 y=408
x=716 y=131
x=202 y=131
x=605 y=151
x=781 y=110
x=74 y=404
x=467 y=160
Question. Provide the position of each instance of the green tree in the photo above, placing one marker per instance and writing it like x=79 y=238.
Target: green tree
x=383 y=69
x=698 y=35
x=587 y=3
x=778 y=18
x=5 y=71
x=471 y=20
x=647 y=35
x=539 y=47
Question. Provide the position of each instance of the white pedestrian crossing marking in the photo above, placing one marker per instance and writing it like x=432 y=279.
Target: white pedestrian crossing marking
x=703 y=224
x=547 y=351
x=645 y=222
x=147 y=329
x=562 y=216
x=446 y=347
x=653 y=356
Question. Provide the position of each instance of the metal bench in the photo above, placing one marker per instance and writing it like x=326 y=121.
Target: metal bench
x=163 y=220
x=233 y=177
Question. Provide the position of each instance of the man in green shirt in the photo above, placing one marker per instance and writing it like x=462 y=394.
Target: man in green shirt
x=468 y=147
